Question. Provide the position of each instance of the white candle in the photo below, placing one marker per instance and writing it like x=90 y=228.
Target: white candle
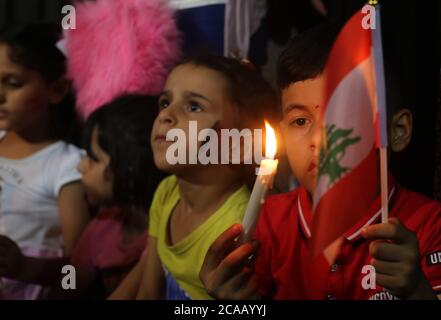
x=264 y=182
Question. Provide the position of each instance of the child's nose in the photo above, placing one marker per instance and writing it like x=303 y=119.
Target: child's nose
x=316 y=136
x=167 y=115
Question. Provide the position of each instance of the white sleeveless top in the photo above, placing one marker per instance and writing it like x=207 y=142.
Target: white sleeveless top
x=29 y=214
x=29 y=190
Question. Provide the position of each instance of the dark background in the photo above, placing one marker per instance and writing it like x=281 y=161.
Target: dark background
x=21 y=11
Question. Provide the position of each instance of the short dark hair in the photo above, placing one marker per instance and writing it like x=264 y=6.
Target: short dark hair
x=124 y=128
x=248 y=90
x=306 y=54
x=33 y=46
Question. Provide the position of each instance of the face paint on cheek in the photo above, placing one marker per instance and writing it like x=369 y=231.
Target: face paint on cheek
x=215 y=127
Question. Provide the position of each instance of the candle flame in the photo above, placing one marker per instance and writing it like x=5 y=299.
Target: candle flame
x=270 y=143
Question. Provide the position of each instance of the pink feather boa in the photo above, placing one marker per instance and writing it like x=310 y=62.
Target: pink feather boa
x=120 y=46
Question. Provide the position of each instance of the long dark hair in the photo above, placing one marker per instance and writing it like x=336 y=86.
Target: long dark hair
x=124 y=128
x=33 y=46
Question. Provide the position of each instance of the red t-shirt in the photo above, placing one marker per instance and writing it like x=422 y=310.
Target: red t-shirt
x=284 y=228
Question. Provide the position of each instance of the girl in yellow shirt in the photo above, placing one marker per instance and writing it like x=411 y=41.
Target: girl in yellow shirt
x=198 y=202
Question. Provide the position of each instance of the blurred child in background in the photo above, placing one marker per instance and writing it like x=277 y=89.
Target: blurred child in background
x=42 y=204
x=119 y=177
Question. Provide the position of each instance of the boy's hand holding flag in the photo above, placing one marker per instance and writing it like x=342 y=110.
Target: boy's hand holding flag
x=349 y=180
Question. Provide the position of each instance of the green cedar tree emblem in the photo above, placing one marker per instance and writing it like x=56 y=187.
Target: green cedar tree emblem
x=337 y=141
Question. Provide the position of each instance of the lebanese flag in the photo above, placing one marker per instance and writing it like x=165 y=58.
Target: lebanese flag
x=354 y=128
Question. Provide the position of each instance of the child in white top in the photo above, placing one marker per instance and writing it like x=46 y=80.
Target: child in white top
x=42 y=203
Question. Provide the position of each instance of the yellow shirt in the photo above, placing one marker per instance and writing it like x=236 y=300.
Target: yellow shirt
x=182 y=261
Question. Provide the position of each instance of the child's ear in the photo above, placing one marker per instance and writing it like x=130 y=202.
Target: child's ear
x=401 y=130
x=59 y=90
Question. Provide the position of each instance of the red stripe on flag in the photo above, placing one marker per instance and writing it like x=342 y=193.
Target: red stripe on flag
x=329 y=223
x=352 y=46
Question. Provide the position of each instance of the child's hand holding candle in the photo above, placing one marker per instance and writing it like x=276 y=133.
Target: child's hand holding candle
x=264 y=182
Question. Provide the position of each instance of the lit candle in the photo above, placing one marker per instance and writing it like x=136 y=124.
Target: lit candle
x=264 y=182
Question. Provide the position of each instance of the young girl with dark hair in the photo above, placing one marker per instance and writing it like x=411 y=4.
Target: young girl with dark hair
x=119 y=177
x=42 y=205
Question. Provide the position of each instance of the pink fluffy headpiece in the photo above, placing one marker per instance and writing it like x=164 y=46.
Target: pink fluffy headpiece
x=120 y=46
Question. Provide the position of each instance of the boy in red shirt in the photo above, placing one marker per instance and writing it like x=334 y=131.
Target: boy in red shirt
x=399 y=259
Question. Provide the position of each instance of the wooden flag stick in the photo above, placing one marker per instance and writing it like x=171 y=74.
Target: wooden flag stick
x=384 y=189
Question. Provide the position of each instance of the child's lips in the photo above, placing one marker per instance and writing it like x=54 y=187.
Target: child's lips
x=162 y=139
x=312 y=167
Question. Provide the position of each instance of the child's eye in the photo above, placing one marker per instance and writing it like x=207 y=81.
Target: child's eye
x=194 y=107
x=300 y=122
x=13 y=82
x=163 y=103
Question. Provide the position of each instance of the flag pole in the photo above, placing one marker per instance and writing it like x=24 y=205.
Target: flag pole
x=382 y=122
x=384 y=189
